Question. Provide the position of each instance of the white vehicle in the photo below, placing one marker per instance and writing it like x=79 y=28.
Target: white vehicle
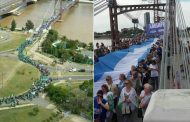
x=73 y=70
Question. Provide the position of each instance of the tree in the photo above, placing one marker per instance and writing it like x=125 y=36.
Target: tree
x=87 y=86
x=79 y=58
x=65 y=56
x=52 y=35
x=13 y=25
x=90 y=46
x=29 y=25
x=82 y=44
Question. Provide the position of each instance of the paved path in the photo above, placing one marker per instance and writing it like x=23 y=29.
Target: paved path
x=74 y=77
x=18 y=106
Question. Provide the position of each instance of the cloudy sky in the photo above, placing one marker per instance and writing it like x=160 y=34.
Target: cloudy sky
x=101 y=21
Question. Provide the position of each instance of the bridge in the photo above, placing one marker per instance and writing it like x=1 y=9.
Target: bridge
x=115 y=9
x=44 y=79
x=10 y=6
x=174 y=82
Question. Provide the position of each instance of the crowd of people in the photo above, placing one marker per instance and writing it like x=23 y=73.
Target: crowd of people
x=126 y=43
x=128 y=100
x=38 y=85
x=102 y=50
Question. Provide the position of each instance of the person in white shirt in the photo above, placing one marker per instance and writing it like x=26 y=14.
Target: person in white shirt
x=145 y=97
x=128 y=100
x=108 y=96
x=179 y=77
x=113 y=88
x=154 y=74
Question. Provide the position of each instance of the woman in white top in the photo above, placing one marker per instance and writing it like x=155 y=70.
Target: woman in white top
x=128 y=101
x=145 y=97
x=108 y=96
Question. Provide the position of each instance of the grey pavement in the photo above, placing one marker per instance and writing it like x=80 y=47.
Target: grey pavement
x=74 y=77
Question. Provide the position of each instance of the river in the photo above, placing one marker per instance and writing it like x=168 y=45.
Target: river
x=77 y=22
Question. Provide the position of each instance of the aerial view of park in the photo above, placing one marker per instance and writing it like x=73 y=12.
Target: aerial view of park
x=46 y=61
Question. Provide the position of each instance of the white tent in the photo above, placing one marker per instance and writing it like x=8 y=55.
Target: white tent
x=171 y=105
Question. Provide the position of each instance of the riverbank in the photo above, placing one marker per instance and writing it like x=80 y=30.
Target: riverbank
x=74 y=118
x=76 y=22
x=86 y=1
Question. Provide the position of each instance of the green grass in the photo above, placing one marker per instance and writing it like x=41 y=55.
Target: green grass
x=15 y=40
x=22 y=115
x=5 y=66
x=21 y=79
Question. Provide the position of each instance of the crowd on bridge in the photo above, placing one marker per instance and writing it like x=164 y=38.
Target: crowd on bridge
x=102 y=50
x=128 y=99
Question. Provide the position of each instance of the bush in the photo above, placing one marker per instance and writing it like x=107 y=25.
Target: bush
x=32 y=113
x=50 y=118
x=36 y=109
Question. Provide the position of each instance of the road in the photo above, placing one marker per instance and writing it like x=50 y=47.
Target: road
x=74 y=77
x=8 y=54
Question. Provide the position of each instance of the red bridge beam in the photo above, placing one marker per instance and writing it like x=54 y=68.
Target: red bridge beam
x=128 y=8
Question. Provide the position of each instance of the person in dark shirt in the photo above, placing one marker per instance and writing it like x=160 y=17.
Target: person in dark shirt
x=100 y=107
x=146 y=76
x=159 y=52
